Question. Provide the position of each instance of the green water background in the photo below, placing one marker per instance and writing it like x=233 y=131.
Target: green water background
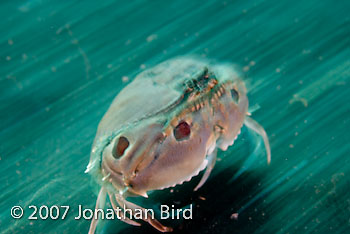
x=62 y=63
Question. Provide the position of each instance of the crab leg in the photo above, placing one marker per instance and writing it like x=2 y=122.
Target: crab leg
x=100 y=203
x=129 y=205
x=256 y=127
x=123 y=218
x=211 y=162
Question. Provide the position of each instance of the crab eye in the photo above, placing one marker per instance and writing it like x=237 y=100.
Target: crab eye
x=182 y=131
x=120 y=147
x=235 y=95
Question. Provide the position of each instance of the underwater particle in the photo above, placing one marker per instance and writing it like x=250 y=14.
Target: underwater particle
x=291 y=146
x=252 y=63
x=53 y=69
x=8 y=58
x=278 y=70
x=142 y=66
x=75 y=41
x=125 y=79
x=335 y=180
x=59 y=30
x=246 y=68
x=24 y=56
x=109 y=66
x=128 y=42
x=234 y=216
x=151 y=37
x=305 y=51
x=202 y=198
x=10 y=42
x=296 y=98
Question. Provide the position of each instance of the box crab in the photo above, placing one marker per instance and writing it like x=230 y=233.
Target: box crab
x=164 y=128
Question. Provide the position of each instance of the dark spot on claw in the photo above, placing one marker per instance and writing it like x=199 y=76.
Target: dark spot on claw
x=182 y=131
x=235 y=95
x=121 y=145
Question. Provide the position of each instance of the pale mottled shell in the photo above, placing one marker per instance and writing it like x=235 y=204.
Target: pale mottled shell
x=150 y=92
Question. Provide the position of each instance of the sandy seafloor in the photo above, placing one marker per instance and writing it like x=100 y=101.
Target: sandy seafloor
x=62 y=63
